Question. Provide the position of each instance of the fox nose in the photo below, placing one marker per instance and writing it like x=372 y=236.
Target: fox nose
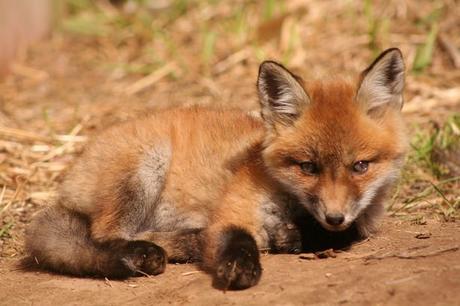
x=335 y=218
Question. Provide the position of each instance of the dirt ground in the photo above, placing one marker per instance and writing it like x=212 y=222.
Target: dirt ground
x=393 y=268
x=101 y=67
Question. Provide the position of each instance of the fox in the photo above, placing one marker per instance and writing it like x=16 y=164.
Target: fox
x=216 y=186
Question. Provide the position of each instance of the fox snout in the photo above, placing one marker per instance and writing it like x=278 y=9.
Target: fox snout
x=331 y=217
x=335 y=201
x=335 y=218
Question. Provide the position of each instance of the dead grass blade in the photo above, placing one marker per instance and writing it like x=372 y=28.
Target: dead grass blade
x=231 y=61
x=21 y=135
x=413 y=255
x=450 y=49
x=151 y=79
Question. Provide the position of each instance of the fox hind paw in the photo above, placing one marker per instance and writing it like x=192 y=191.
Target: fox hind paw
x=143 y=258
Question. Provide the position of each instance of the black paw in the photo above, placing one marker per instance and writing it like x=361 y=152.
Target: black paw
x=143 y=258
x=238 y=266
x=286 y=238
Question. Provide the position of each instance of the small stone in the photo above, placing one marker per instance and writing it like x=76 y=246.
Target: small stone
x=329 y=253
x=424 y=235
x=308 y=256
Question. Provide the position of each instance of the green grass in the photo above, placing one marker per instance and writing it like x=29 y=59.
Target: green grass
x=424 y=52
x=372 y=26
x=237 y=24
x=209 y=42
x=429 y=179
x=272 y=8
x=87 y=24
x=440 y=139
x=5 y=230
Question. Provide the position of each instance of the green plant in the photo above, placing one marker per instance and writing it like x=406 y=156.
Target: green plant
x=5 y=230
x=424 y=52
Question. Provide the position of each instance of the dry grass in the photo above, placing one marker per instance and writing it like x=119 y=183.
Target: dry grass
x=106 y=63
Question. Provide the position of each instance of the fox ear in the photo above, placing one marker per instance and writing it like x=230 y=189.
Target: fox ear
x=281 y=95
x=382 y=83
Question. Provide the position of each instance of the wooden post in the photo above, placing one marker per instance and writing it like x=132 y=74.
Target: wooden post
x=22 y=22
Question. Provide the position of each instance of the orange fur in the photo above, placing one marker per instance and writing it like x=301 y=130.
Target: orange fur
x=236 y=177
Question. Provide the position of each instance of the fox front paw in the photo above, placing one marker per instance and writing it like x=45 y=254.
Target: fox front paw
x=238 y=273
x=143 y=258
x=286 y=238
x=238 y=266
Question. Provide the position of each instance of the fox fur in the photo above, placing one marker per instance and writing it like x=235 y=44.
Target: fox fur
x=216 y=186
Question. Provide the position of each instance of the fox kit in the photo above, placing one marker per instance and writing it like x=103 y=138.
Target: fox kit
x=216 y=186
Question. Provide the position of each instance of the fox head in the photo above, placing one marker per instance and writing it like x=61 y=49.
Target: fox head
x=337 y=147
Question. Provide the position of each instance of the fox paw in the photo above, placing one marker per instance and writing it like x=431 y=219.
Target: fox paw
x=238 y=266
x=143 y=258
x=237 y=273
x=286 y=238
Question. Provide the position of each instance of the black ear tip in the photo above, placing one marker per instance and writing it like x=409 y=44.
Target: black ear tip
x=269 y=65
x=393 y=49
x=393 y=56
x=393 y=52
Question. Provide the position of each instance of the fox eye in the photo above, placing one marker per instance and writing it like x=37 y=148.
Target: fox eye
x=360 y=166
x=310 y=168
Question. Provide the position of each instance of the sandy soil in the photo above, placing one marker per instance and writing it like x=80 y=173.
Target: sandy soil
x=405 y=264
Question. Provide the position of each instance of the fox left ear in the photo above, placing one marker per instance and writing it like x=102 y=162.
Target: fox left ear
x=281 y=95
x=382 y=83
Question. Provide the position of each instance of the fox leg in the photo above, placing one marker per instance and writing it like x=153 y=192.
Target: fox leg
x=130 y=209
x=230 y=246
x=59 y=239
x=127 y=202
x=182 y=246
x=283 y=234
x=237 y=261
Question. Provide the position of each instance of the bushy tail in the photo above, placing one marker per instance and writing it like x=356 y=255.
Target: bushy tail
x=59 y=240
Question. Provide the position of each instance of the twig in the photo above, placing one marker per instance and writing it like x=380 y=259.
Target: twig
x=19 y=188
x=107 y=282
x=149 y=80
x=229 y=281
x=413 y=256
x=29 y=72
x=231 y=60
x=450 y=49
x=190 y=273
x=2 y=194
x=402 y=280
x=71 y=138
x=61 y=149
x=21 y=134
x=432 y=98
x=143 y=273
x=347 y=255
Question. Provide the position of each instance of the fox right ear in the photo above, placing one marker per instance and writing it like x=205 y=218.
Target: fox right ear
x=281 y=96
x=382 y=83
